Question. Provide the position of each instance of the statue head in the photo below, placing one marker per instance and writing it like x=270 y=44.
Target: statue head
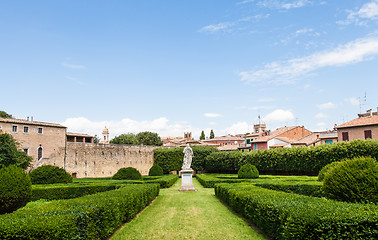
x=187 y=145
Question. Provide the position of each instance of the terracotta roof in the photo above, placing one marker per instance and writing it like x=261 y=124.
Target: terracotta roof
x=274 y=134
x=21 y=121
x=228 y=148
x=225 y=138
x=279 y=145
x=254 y=134
x=285 y=139
x=363 y=121
x=307 y=140
x=78 y=134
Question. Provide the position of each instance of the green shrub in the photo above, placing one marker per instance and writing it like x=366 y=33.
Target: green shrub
x=325 y=169
x=155 y=170
x=165 y=181
x=354 y=180
x=15 y=189
x=94 y=216
x=127 y=173
x=226 y=161
x=291 y=216
x=10 y=154
x=50 y=174
x=248 y=171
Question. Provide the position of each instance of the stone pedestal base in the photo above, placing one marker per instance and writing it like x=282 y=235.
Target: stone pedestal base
x=186 y=181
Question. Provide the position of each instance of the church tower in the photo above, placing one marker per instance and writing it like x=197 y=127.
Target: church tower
x=105 y=136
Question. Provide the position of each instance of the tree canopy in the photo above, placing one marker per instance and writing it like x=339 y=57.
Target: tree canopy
x=145 y=138
x=212 y=134
x=10 y=154
x=127 y=138
x=3 y=114
x=202 y=137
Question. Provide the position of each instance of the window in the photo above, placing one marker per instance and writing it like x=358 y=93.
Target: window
x=26 y=150
x=345 y=136
x=255 y=146
x=14 y=128
x=367 y=134
x=40 y=130
x=26 y=129
x=329 y=142
x=40 y=153
x=248 y=141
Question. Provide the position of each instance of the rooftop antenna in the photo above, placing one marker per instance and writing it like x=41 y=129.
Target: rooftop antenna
x=362 y=103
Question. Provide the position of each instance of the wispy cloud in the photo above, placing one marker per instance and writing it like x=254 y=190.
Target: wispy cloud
x=212 y=115
x=328 y=105
x=279 y=115
x=321 y=116
x=254 y=108
x=73 y=66
x=368 y=11
x=288 y=71
x=75 y=80
x=216 y=27
x=284 y=4
x=353 y=101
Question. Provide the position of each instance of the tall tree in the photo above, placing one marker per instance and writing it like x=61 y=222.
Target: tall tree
x=5 y=115
x=10 y=154
x=127 y=138
x=212 y=134
x=96 y=139
x=149 y=138
x=202 y=137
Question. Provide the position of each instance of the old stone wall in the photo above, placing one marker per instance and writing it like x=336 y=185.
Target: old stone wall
x=104 y=160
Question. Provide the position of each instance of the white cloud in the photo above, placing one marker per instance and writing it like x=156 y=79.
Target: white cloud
x=75 y=80
x=279 y=115
x=321 y=125
x=238 y=128
x=162 y=126
x=255 y=107
x=353 y=101
x=288 y=71
x=321 y=116
x=328 y=105
x=212 y=115
x=215 y=27
x=284 y=4
x=266 y=100
x=212 y=123
x=73 y=66
x=296 y=4
x=368 y=11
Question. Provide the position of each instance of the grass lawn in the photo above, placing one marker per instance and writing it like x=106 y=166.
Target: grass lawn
x=187 y=215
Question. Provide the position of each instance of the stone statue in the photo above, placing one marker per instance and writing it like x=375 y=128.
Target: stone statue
x=188 y=155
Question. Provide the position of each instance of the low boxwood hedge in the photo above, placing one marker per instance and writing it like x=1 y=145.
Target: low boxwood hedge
x=90 y=217
x=291 y=216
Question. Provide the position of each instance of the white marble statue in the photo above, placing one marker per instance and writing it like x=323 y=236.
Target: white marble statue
x=188 y=155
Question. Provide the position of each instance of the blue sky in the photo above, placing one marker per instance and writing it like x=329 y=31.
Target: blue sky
x=175 y=66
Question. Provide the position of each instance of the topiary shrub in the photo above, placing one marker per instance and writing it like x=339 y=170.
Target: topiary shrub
x=155 y=170
x=15 y=189
x=50 y=174
x=127 y=173
x=248 y=171
x=325 y=169
x=354 y=180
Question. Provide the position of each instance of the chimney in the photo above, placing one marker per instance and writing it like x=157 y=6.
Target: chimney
x=28 y=118
x=31 y=118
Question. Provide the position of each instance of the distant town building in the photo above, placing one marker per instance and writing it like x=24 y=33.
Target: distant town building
x=79 y=137
x=316 y=139
x=225 y=140
x=363 y=127
x=105 y=136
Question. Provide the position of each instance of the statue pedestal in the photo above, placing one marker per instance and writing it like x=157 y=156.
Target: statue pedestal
x=186 y=181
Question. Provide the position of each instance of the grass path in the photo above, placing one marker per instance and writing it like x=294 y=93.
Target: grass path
x=187 y=215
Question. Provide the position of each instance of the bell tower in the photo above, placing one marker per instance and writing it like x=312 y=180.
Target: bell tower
x=105 y=136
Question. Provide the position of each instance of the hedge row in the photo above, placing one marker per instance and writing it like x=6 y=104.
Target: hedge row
x=165 y=181
x=89 y=217
x=291 y=216
x=171 y=159
x=209 y=180
x=297 y=160
x=308 y=189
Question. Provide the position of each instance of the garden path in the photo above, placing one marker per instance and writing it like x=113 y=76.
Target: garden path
x=187 y=215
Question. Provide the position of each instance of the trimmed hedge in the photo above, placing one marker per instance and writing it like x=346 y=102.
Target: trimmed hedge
x=248 y=171
x=15 y=189
x=155 y=170
x=129 y=173
x=325 y=169
x=49 y=174
x=307 y=189
x=297 y=160
x=290 y=216
x=171 y=159
x=209 y=180
x=354 y=180
x=165 y=181
x=90 y=217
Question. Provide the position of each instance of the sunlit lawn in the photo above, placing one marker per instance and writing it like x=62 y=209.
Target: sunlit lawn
x=187 y=215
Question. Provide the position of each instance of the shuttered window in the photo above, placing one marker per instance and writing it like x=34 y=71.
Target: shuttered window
x=368 y=134
x=345 y=136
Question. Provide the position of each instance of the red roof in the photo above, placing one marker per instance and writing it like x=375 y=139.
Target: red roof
x=363 y=121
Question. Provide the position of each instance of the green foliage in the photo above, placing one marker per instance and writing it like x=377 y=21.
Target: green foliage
x=212 y=134
x=50 y=174
x=155 y=170
x=226 y=161
x=291 y=216
x=202 y=137
x=354 y=180
x=10 y=154
x=96 y=139
x=165 y=181
x=127 y=173
x=3 y=114
x=148 y=138
x=325 y=169
x=15 y=189
x=248 y=171
x=171 y=159
x=128 y=138
x=94 y=216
